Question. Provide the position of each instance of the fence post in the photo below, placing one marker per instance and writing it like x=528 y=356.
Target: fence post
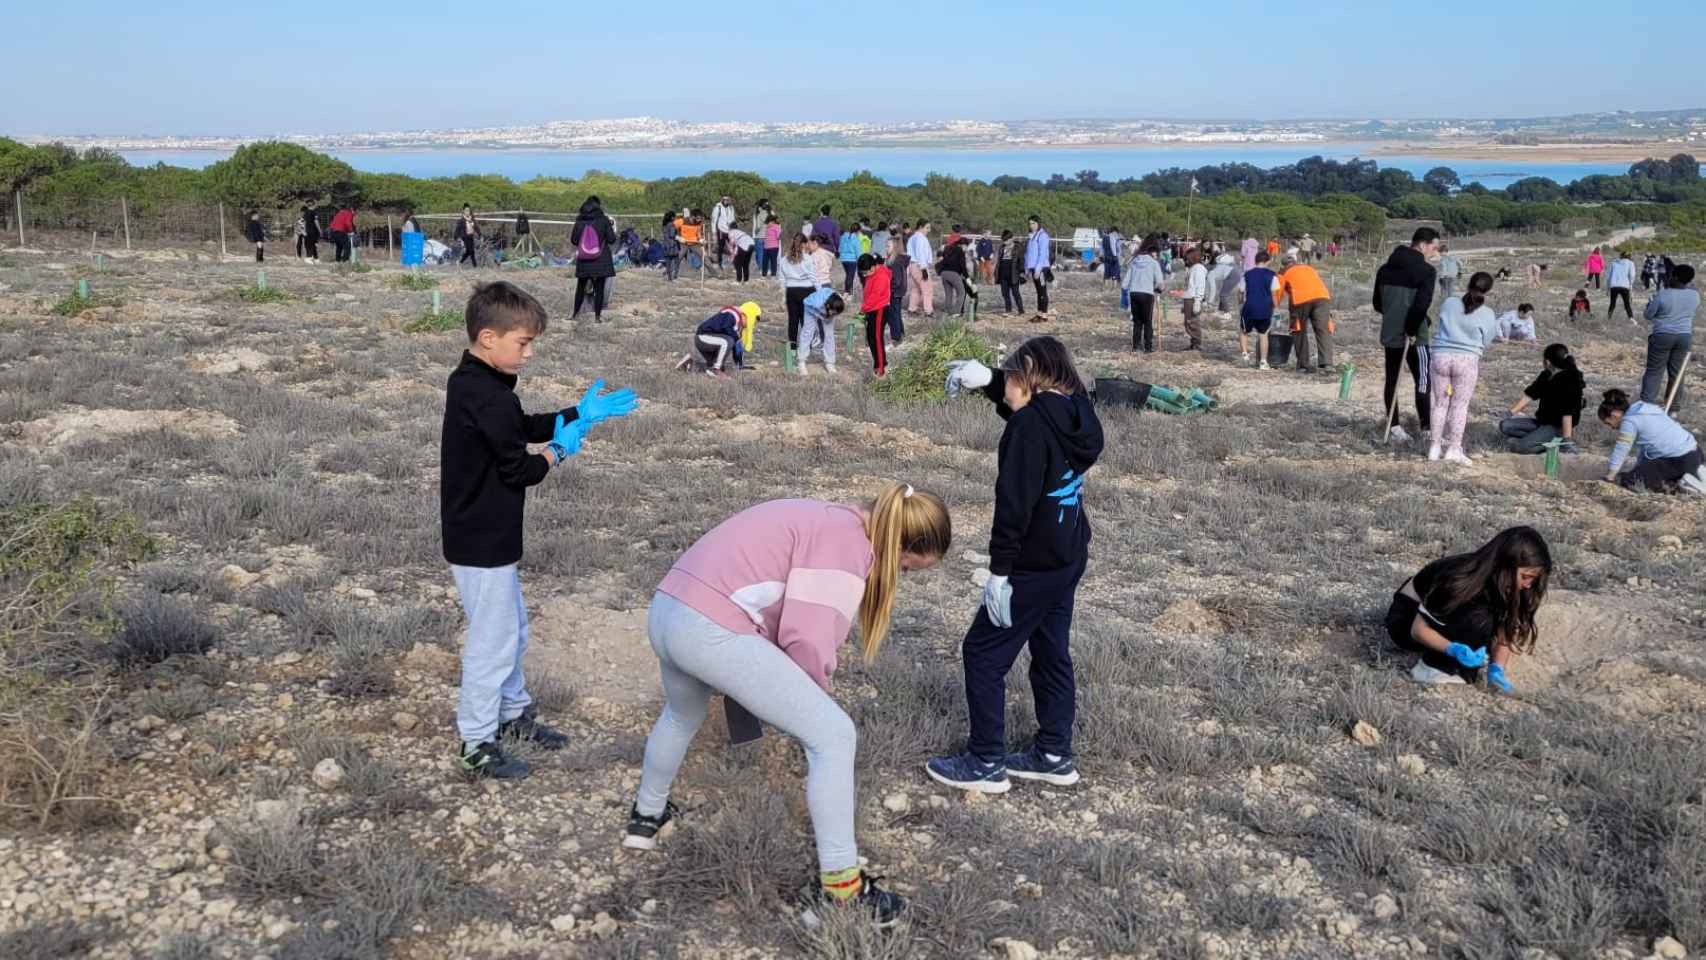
x=222 y=233
x=18 y=208
x=388 y=236
x=124 y=209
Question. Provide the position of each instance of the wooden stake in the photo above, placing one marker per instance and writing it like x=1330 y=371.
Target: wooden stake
x=124 y=210
x=18 y=208
x=1392 y=413
x=388 y=237
x=222 y=253
x=1676 y=387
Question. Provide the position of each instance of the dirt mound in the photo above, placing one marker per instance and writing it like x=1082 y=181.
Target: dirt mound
x=604 y=653
x=1188 y=618
x=1593 y=646
x=241 y=359
x=74 y=426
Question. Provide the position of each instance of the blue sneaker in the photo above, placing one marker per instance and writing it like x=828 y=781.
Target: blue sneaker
x=1034 y=764
x=969 y=773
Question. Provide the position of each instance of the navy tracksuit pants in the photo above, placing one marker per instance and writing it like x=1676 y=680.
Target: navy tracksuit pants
x=1042 y=621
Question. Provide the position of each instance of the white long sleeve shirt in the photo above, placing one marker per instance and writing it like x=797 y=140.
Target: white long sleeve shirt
x=722 y=218
x=918 y=248
x=1196 y=282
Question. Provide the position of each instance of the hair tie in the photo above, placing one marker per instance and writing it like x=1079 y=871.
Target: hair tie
x=908 y=492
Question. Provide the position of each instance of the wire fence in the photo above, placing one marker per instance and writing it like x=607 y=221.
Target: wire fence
x=116 y=224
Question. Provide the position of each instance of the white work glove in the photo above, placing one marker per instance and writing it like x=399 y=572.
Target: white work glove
x=967 y=375
x=998 y=600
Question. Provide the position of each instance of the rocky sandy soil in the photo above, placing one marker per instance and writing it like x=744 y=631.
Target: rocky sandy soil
x=1261 y=778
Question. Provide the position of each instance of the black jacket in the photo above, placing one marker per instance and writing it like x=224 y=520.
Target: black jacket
x=1040 y=523
x=484 y=467
x=592 y=218
x=313 y=225
x=953 y=258
x=257 y=233
x=1403 y=292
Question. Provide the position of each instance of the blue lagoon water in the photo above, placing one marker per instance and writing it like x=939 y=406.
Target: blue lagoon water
x=897 y=165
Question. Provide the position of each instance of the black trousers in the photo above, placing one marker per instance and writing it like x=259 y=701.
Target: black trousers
x=1396 y=359
x=1143 y=322
x=1593 y=278
x=1042 y=622
x=1611 y=308
x=340 y=240
x=874 y=340
x=1660 y=476
x=468 y=251
x=1012 y=295
x=897 y=329
x=260 y=253
x=721 y=242
x=313 y=247
x=796 y=300
x=594 y=285
x=743 y=265
x=1042 y=295
x=850 y=271
x=301 y=242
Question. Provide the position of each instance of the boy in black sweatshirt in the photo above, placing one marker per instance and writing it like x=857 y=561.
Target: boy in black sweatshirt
x=484 y=472
x=1038 y=545
x=1403 y=291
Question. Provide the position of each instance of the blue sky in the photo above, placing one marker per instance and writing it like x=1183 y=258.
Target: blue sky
x=254 y=68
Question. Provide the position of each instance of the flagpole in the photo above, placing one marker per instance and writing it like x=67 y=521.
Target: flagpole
x=1192 y=195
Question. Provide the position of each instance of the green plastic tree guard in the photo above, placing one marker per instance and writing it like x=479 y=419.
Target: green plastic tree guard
x=83 y=289
x=788 y=358
x=260 y=279
x=435 y=303
x=1552 y=456
x=1347 y=371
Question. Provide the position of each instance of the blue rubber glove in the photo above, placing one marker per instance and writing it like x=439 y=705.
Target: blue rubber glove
x=566 y=438
x=1465 y=656
x=1496 y=678
x=998 y=600
x=596 y=408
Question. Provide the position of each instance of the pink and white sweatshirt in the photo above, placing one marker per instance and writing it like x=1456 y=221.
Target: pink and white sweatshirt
x=791 y=571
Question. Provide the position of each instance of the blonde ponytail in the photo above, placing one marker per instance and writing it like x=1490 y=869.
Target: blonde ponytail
x=902 y=520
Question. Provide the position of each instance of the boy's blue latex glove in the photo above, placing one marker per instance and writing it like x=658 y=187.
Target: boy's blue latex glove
x=596 y=408
x=566 y=438
x=998 y=600
x=1465 y=656
x=1497 y=679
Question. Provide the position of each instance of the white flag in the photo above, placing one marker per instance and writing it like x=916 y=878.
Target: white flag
x=1194 y=185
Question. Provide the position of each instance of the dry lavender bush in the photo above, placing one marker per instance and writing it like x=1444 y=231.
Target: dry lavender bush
x=277 y=669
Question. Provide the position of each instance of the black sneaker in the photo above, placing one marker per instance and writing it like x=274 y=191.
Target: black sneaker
x=884 y=906
x=525 y=727
x=489 y=760
x=642 y=832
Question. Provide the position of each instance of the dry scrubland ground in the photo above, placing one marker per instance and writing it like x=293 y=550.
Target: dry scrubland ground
x=282 y=457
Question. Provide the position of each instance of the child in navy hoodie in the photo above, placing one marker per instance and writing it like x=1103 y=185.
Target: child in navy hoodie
x=1038 y=546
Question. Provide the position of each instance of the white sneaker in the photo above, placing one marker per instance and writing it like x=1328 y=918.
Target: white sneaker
x=1263 y=366
x=1455 y=455
x=1424 y=674
x=1694 y=483
x=800 y=367
x=829 y=368
x=1433 y=453
x=1246 y=359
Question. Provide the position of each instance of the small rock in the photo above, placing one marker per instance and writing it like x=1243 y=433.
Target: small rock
x=1383 y=907
x=1089 y=817
x=897 y=803
x=221 y=853
x=166 y=862
x=1669 y=948
x=1209 y=728
x=602 y=926
x=1411 y=764
x=344 y=297
x=362 y=593
x=219 y=909
x=328 y=773
x=148 y=723
x=1029 y=889
x=273 y=811
x=649 y=907
x=564 y=923
x=467 y=816
x=1365 y=734
x=278 y=929
x=287 y=658
x=1308 y=811
x=1670 y=541
x=1633 y=581
x=285 y=701
x=938 y=802
x=1014 y=949
x=236 y=577
x=404 y=720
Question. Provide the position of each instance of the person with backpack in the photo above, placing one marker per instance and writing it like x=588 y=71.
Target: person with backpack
x=722 y=221
x=593 y=238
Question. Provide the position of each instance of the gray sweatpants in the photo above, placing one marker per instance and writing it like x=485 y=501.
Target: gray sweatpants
x=1664 y=361
x=818 y=330
x=699 y=658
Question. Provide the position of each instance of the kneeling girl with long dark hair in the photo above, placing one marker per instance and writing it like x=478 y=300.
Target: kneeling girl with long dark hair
x=1473 y=610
